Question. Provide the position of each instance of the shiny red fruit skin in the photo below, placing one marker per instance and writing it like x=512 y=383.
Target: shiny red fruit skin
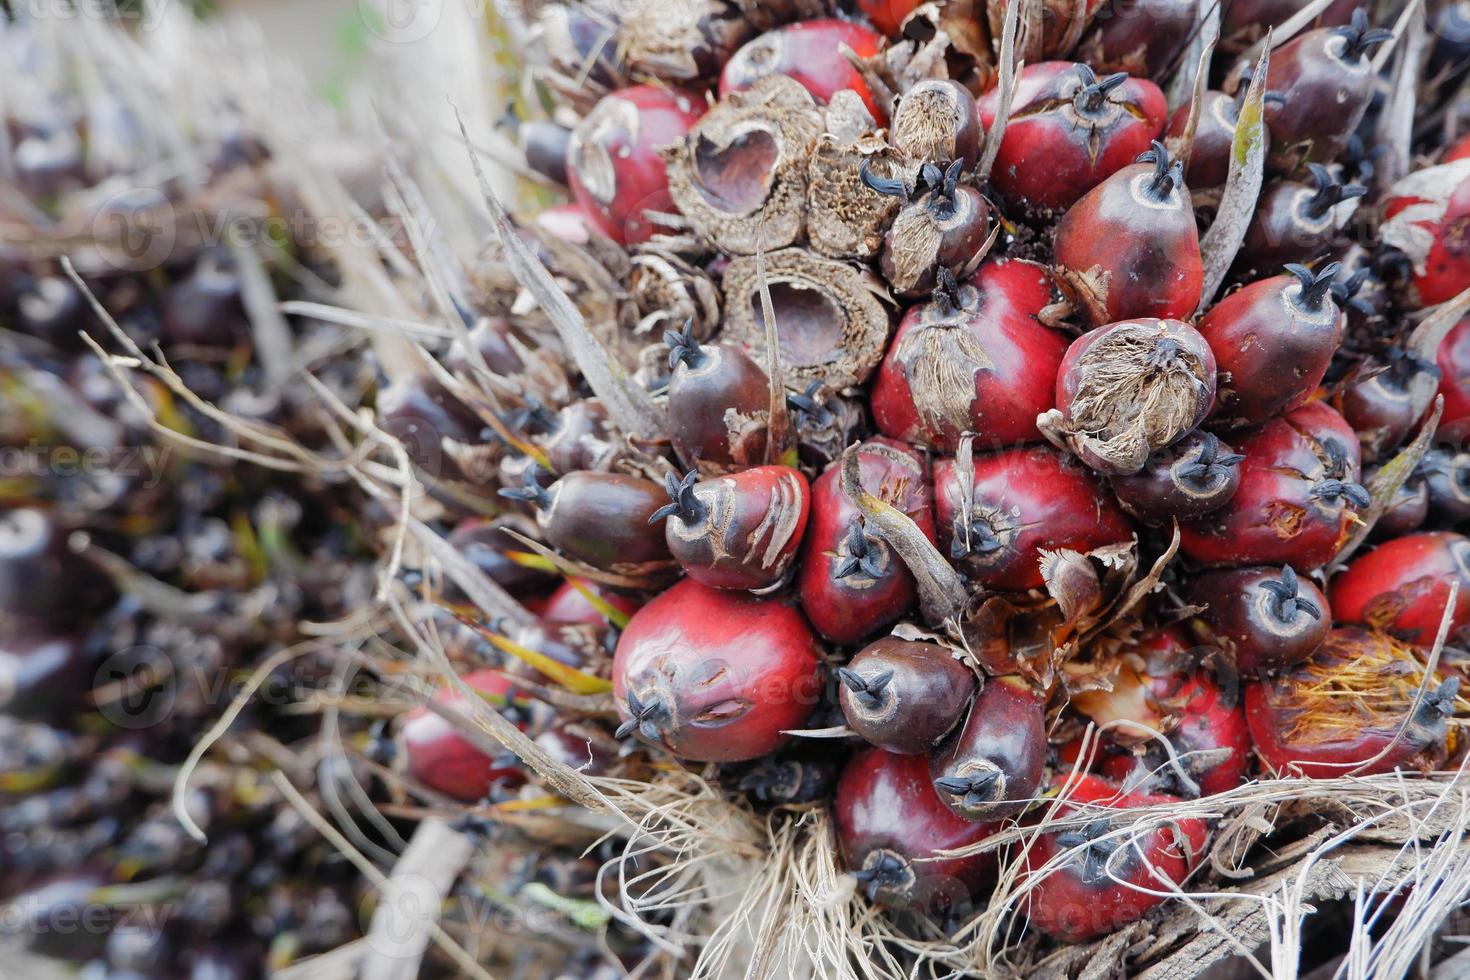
x=1046 y=158
x=614 y=167
x=734 y=670
x=1403 y=585
x=1433 y=206
x=1453 y=361
x=887 y=15
x=1065 y=906
x=810 y=53
x=1271 y=354
x=1208 y=165
x=1012 y=357
x=886 y=802
x=568 y=605
x=1006 y=728
x=443 y=759
x=1210 y=721
x=1323 y=98
x=850 y=609
x=1272 y=519
x=1458 y=151
x=1364 y=748
x=926 y=695
x=1240 y=614
x=1125 y=253
x=757 y=518
x=1031 y=498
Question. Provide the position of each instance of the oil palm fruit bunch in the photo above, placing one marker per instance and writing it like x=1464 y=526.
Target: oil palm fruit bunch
x=918 y=412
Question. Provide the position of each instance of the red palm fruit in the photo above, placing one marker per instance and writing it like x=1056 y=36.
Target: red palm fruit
x=1086 y=895
x=1068 y=131
x=1295 y=222
x=975 y=358
x=739 y=531
x=1129 y=389
x=1141 y=38
x=568 y=605
x=887 y=15
x=992 y=767
x=1453 y=361
x=41 y=579
x=439 y=755
x=937 y=121
x=1267 y=618
x=1351 y=709
x=1130 y=246
x=1447 y=479
x=1023 y=500
x=1381 y=406
x=1402 y=586
x=810 y=52
x=1208 y=166
x=601 y=519
x=719 y=404
x=568 y=222
x=715 y=676
x=614 y=164
x=1457 y=151
x=1427 y=217
x=851 y=583
x=1297 y=500
x=1325 y=80
x=1273 y=341
x=1194 y=476
x=904 y=695
x=891 y=824
x=1406 y=512
x=940 y=230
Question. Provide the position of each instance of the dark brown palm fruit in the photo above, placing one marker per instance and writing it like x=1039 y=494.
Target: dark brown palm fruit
x=668 y=289
x=1061 y=24
x=1407 y=510
x=1141 y=37
x=601 y=519
x=791 y=777
x=739 y=531
x=486 y=544
x=937 y=122
x=1208 y=165
x=491 y=336
x=544 y=145
x=831 y=325
x=1325 y=79
x=204 y=307
x=1294 y=222
x=1244 y=22
x=1130 y=389
x=52 y=309
x=846 y=218
x=581 y=44
x=689 y=41
x=42 y=580
x=719 y=405
x=1380 y=405
x=941 y=228
x=421 y=415
x=1273 y=341
x=1184 y=481
x=1268 y=618
x=1447 y=478
x=904 y=696
x=826 y=423
x=992 y=767
x=740 y=173
x=1130 y=246
x=48 y=160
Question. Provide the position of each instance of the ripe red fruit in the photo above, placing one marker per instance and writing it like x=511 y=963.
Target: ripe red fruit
x=975 y=358
x=1345 y=710
x=1081 y=899
x=440 y=757
x=891 y=824
x=1194 y=476
x=1427 y=217
x=715 y=676
x=887 y=15
x=1130 y=246
x=1403 y=585
x=1068 y=131
x=810 y=53
x=739 y=531
x=904 y=696
x=939 y=231
x=1459 y=150
x=719 y=404
x=992 y=767
x=1295 y=222
x=1129 y=389
x=1453 y=361
x=601 y=519
x=614 y=166
x=1381 y=405
x=937 y=122
x=1325 y=81
x=1297 y=498
x=1208 y=166
x=1023 y=500
x=851 y=583
x=1273 y=341
x=568 y=605
x=1266 y=618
